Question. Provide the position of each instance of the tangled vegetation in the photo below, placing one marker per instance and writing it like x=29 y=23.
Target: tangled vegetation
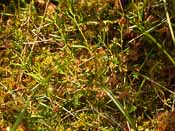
x=87 y=65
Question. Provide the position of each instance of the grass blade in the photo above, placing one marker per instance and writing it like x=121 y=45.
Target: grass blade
x=160 y=46
x=169 y=21
x=120 y=107
x=19 y=118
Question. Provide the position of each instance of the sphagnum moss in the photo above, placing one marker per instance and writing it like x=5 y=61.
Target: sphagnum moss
x=56 y=60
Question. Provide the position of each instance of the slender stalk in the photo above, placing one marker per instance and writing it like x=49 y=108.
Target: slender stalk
x=169 y=21
x=160 y=46
x=121 y=108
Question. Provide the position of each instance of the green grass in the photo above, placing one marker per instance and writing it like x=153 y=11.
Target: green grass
x=86 y=65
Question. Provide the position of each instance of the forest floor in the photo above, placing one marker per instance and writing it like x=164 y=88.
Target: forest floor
x=87 y=65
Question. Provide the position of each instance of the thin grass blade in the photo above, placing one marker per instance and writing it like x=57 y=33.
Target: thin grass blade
x=120 y=107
